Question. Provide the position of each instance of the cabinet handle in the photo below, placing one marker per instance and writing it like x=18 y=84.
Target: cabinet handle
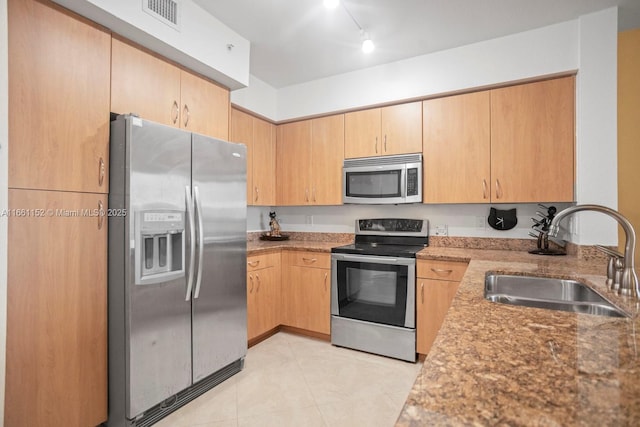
x=251 y=280
x=385 y=143
x=257 y=193
x=484 y=188
x=258 y=279
x=376 y=145
x=422 y=292
x=306 y=194
x=253 y=263
x=312 y=260
x=186 y=111
x=100 y=214
x=441 y=270
x=325 y=282
x=498 y=189
x=175 y=108
x=101 y=172
x=314 y=194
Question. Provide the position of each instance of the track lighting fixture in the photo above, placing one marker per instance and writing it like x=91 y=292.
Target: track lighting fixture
x=367 y=43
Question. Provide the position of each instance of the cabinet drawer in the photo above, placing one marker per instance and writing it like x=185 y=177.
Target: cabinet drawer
x=258 y=262
x=309 y=259
x=441 y=270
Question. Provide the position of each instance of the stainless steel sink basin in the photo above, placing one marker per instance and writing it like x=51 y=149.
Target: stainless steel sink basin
x=549 y=293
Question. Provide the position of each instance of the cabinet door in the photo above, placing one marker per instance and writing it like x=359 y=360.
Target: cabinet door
x=56 y=312
x=457 y=149
x=242 y=132
x=268 y=298
x=532 y=142
x=58 y=99
x=308 y=299
x=144 y=84
x=253 y=314
x=362 y=134
x=402 y=129
x=433 y=301
x=293 y=150
x=264 y=163
x=204 y=106
x=328 y=155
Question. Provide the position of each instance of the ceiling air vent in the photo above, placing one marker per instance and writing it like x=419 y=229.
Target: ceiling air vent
x=166 y=11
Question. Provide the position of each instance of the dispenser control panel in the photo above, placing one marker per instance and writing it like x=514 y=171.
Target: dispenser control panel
x=160 y=246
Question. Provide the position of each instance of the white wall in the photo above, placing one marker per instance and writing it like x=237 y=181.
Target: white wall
x=461 y=220
x=201 y=43
x=596 y=126
x=588 y=44
x=4 y=147
x=533 y=53
x=258 y=97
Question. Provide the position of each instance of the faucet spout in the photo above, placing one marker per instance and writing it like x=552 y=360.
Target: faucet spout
x=629 y=281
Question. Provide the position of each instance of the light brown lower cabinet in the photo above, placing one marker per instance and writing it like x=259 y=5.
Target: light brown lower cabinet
x=306 y=290
x=263 y=294
x=56 y=371
x=436 y=286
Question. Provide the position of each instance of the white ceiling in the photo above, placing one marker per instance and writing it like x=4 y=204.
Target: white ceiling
x=295 y=41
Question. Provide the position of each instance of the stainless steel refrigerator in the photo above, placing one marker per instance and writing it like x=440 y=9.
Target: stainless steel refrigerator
x=177 y=268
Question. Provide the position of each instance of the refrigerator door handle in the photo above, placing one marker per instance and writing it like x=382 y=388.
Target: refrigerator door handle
x=196 y=200
x=192 y=241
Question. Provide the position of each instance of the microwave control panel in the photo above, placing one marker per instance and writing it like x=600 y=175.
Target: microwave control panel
x=412 y=182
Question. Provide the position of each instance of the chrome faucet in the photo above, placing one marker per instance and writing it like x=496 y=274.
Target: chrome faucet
x=628 y=280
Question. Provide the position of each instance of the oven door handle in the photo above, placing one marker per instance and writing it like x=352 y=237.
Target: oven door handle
x=375 y=259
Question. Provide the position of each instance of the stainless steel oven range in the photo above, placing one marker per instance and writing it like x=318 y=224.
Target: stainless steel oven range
x=373 y=284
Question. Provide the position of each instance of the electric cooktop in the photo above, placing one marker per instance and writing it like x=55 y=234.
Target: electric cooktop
x=394 y=237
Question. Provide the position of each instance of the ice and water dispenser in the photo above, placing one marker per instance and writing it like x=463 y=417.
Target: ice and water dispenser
x=160 y=243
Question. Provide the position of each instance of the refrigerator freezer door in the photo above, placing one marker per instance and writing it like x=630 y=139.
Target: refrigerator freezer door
x=159 y=319
x=220 y=308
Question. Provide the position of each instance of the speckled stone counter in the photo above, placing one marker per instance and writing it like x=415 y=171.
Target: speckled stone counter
x=314 y=242
x=260 y=247
x=496 y=364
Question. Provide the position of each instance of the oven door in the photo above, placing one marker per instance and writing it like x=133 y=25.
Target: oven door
x=376 y=289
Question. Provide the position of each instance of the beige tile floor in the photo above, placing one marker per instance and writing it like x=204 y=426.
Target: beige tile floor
x=290 y=380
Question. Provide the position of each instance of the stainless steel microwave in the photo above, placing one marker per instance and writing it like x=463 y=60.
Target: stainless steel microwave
x=383 y=180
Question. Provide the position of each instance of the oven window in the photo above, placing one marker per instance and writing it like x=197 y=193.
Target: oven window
x=372 y=292
x=376 y=184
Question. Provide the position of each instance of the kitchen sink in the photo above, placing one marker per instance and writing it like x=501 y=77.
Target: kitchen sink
x=549 y=293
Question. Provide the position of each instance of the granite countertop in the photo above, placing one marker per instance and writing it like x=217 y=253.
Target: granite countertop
x=496 y=364
x=257 y=247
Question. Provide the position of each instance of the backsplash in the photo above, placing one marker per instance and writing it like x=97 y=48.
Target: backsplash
x=464 y=220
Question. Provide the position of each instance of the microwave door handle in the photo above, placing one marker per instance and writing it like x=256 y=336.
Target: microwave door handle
x=405 y=177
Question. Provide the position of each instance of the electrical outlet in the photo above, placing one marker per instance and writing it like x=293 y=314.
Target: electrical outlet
x=441 y=230
x=480 y=222
x=308 y=219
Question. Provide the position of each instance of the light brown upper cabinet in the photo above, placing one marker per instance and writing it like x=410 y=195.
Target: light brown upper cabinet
x=457 y=149
x=59 y=99
x=260 y=138
x=509 y=145
x=532 y=142
x=156 y=90
x=396 y=129
x=309 y=161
